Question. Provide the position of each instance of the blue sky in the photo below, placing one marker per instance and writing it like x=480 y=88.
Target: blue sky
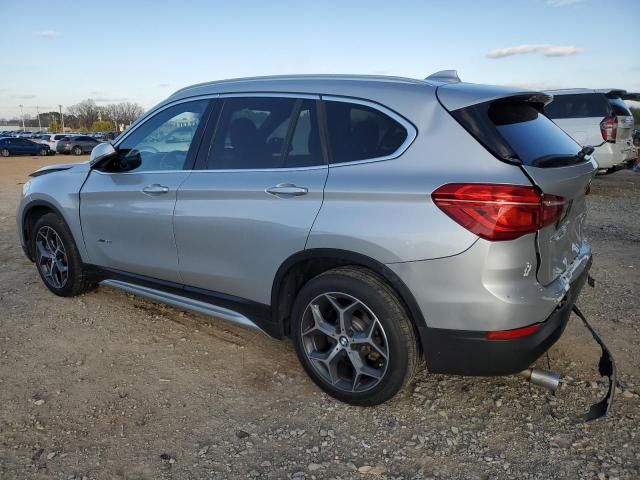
x=142 y=51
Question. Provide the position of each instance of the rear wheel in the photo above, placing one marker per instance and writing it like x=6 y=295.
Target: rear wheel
x=77 y=151
x=4 y=152
x=353 y=336
x=57 y=258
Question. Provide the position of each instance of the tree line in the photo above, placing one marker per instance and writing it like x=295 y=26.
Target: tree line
x=85 y=115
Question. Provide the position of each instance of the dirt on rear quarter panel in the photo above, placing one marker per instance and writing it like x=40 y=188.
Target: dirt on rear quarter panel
x=111 y=386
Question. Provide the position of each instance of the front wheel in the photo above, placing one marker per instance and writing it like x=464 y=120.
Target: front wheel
x=43 y=152
x=57 y=258
x=353 y=336
x=77 y=151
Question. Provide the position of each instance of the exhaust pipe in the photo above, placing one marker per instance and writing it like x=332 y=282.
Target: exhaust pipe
x=542 y=378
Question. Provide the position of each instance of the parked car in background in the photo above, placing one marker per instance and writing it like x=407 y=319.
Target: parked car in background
x=52 y=139
x=77 y=145
x=597 y=118
x=22 y=146
x=375 y=220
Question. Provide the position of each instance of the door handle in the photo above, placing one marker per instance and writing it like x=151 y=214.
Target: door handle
x=287 y=190
x=155 y=189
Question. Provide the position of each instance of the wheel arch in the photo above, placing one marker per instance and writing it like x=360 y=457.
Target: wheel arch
x=32 y=212
x=300 y=267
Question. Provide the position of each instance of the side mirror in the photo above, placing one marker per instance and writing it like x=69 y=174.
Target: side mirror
x=100 y=152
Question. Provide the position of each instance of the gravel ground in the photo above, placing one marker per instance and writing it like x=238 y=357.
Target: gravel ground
x=109 y=386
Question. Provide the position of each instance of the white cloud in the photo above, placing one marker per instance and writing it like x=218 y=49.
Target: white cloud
x=563 y=3
x=546 y=49
x=47 y=34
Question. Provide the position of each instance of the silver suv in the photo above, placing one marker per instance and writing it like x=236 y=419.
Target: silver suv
x=376 y=221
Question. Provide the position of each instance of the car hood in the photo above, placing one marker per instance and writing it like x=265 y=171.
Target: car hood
x=76 y=167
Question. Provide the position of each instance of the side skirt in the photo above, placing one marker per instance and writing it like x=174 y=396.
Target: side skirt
x=183 y=302
x=235 y=310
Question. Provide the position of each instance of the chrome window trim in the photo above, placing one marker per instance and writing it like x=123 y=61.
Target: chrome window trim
x=412 y=132
x=308 y=96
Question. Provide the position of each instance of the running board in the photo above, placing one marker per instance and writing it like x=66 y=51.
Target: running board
x=183 y=302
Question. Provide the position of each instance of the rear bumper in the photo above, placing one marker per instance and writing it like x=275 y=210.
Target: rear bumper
x=609 y=155
x=462 y=352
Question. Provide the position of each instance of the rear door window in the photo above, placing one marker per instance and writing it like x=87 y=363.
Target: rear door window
x=266 y=133
x=582 y=105
x=359 y=132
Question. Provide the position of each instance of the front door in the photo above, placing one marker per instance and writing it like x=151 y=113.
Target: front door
x=253 y=197
x=126 y=204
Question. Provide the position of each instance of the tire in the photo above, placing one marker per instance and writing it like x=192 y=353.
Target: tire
x=4 y=152
x=77 y=151
x=378 y=338
x=52 y=239
x=43 y=152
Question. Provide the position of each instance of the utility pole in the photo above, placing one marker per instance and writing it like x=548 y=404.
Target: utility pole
x=39 y=122
x=22 y=115
x=61 y=118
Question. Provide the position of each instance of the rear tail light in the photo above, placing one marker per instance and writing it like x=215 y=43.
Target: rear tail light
x=609 y=129
x=513 y=334
x=498 y=212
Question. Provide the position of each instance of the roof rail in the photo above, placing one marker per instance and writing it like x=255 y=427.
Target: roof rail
x=445 y=76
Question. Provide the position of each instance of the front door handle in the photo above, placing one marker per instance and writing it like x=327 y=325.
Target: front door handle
x=287 y=190
x=155 y=189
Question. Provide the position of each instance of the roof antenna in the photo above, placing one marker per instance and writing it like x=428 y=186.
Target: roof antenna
x=445 y=76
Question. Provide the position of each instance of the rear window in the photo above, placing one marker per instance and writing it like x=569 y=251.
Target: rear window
x=619 y=107
x=359 y=132
x=582 y=105
x=517 y=132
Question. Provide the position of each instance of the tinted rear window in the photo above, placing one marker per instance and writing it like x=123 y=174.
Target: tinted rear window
x=517 y=132
x=358 y=132
x=619 y=107
x=582 y=105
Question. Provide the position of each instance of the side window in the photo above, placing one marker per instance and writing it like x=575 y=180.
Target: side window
x=162 y=142
x=584 y=105
x=359 y=132
x=251 y=133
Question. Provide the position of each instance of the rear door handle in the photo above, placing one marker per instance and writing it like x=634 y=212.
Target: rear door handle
x=287 y=190
x=155 y=189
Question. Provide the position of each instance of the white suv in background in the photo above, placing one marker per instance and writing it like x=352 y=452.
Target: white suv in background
x=599 y=118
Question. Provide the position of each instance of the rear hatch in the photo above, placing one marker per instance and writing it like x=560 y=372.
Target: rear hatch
x=625 y=119
x=511 y=126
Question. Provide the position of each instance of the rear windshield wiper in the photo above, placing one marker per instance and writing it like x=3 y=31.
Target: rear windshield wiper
x=585 y=151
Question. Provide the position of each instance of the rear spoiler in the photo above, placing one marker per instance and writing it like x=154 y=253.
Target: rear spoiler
x=620 y=93
x=454 y=96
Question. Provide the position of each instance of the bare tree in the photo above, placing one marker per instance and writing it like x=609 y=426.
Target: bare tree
x=122 y=114
x=129 y=112
x=86 y=112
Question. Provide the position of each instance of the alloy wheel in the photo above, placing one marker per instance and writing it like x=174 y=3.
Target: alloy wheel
x=344 y=342
x=52 y=257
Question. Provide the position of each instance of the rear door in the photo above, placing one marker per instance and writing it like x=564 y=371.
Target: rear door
x=126 y=205
x=256 y=190
x=514 y=130
x=549 y=157
x=624 y=133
